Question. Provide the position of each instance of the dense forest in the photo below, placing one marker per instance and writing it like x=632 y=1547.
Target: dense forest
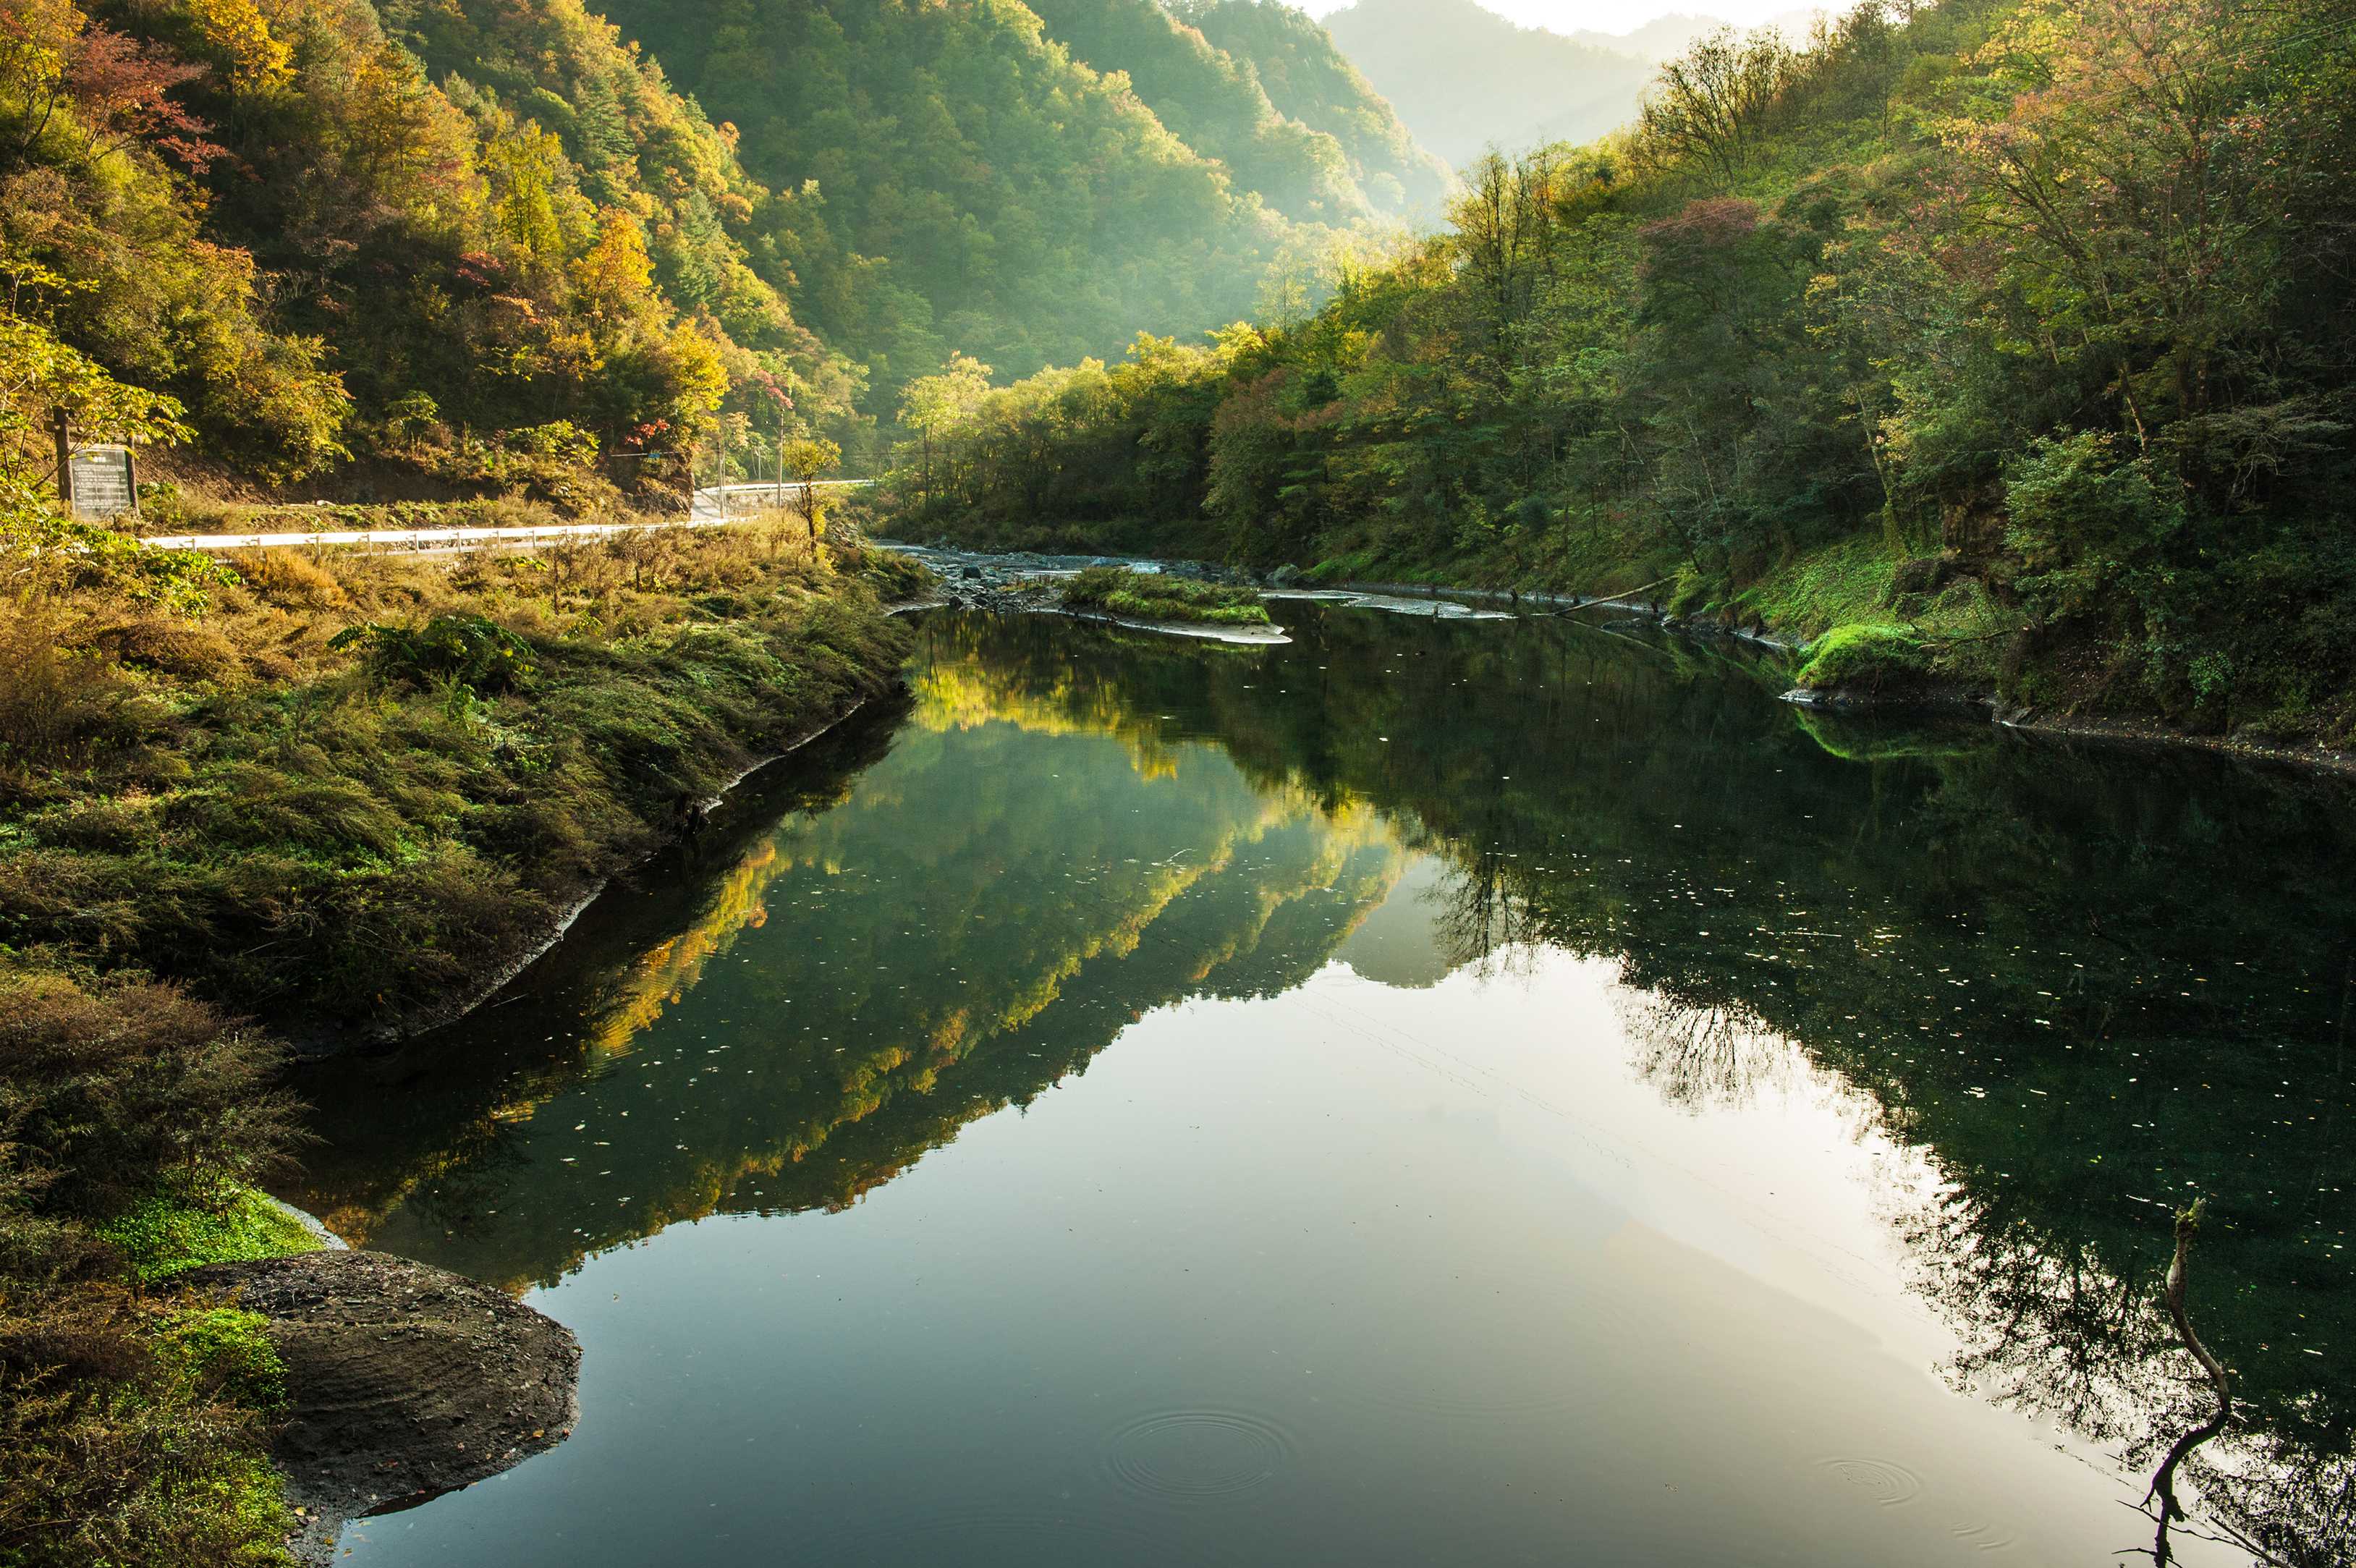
x=1307 y=78
x=961 y=181
x=427 y=249
x=457 y=250
x=2014 y=334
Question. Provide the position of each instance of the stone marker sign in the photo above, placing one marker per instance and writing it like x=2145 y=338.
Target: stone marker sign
x=103 y=485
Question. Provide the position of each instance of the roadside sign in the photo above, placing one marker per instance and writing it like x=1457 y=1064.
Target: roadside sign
x=104 y=487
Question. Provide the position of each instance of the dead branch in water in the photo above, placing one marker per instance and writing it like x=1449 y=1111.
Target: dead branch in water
x=2220 y=1377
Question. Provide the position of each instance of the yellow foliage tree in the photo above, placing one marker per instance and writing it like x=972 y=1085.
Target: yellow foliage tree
x=259 y=61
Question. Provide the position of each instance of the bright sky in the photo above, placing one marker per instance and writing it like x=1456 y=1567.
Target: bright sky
x=1615 y=15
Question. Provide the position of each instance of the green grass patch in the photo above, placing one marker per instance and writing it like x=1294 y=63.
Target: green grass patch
x=1866 y=658
x=1844 y=582
x=895 y=575
x=357 y=783
x=226 y=1351
x=169 y=1234
x=1116 y=590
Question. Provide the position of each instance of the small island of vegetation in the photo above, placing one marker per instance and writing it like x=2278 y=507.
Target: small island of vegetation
x=1142 y=596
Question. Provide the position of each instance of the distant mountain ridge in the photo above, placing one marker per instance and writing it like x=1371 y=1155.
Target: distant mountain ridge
x=1465 y=79
x=1662 y=38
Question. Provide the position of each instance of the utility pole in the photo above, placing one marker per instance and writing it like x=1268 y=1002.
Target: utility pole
x=63 y=430
x=719 y=480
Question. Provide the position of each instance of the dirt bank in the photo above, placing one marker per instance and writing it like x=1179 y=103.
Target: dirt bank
x=404 y=1381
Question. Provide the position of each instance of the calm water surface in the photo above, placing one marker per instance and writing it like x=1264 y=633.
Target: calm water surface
x=1468 y=1093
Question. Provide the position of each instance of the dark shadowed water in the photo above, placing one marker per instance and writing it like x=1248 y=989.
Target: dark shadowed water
x=1427 y=1093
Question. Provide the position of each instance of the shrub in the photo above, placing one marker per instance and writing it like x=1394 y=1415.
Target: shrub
x=291 y=578
x=1865 y=659
x=119 y=1086
x=54 y=700
x=461 y=649
x=119 y=1444
x=896 y=576
x=130 y=1435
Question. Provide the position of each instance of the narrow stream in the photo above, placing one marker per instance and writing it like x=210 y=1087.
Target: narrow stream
x=1485 y=1094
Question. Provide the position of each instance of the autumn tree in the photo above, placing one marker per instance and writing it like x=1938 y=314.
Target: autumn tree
x=806 y=461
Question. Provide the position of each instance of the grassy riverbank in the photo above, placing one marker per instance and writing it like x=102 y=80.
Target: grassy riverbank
x=336 y=794
x=349 y=785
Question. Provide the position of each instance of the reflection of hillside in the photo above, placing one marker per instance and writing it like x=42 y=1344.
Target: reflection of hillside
x=2080 y=991
x=979 y=914
x=1393 y=945
x=2087 y=989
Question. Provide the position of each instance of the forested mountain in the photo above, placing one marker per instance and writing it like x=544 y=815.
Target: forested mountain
x=474 y=246
x=959 y=182
x=2016 y=337
x=1212 y=103
x=267 y=225
x=1464 y=79
x=1307 y=79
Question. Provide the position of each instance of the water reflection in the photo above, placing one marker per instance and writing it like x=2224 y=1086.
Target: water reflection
x=2079 y=989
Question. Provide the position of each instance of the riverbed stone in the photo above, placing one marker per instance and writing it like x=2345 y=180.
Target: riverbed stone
x=404 y=1381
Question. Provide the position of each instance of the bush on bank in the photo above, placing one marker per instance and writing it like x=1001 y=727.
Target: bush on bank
x=1865 y=659
x=133 y=1424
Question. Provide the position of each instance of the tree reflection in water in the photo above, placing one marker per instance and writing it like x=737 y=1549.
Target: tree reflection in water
x=2049 y=1324
x=2082 y=988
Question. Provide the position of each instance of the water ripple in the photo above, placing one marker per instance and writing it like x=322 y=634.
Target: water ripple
x=1891 y=1485
x=1197 y=1454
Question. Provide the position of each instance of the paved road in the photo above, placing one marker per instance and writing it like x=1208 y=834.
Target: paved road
x=710 y=509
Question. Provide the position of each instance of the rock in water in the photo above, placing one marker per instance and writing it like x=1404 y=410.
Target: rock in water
x=404 y=1381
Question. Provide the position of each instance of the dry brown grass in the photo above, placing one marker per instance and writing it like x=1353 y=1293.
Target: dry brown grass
x=57 y=700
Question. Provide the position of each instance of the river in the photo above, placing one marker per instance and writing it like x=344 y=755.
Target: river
x=1493 y=1093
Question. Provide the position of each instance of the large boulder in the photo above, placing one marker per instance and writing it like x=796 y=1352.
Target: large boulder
x=404 y=1381
x=1923 y=575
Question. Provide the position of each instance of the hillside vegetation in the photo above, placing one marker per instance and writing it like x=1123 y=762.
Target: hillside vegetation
x=959 y=182
x=464 y=249
x=1211 y=102
x=431 y=249
x=2023 y=327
